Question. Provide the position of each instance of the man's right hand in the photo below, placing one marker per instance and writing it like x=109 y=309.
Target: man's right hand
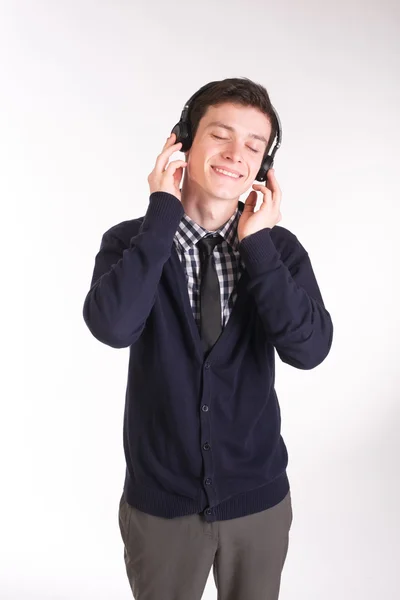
x=165 y=178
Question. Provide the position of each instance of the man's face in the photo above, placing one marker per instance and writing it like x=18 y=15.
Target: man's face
x=232 y=138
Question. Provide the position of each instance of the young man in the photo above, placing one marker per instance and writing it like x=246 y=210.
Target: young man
x=204 y=289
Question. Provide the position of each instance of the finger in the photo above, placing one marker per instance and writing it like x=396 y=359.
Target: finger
x=268 y=204
x=162 y=159
x=260 y=187
x=251 y=202
x=171 y=139
x=272 y=193
x=266 y=192
x=174 y=165
x=273 y=184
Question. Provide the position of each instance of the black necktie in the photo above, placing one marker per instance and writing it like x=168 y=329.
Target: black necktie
x=210 y=298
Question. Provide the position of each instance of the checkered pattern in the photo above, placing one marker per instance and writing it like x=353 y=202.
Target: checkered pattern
x=228 y=262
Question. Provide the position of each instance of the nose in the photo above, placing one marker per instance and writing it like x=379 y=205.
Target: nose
x=233 y=152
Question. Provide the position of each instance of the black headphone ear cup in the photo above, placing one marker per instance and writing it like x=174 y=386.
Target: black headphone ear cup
x=266 y=165
x=182 y=133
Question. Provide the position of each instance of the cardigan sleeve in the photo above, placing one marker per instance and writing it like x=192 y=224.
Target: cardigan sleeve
x=126 y=275
x=288 y=299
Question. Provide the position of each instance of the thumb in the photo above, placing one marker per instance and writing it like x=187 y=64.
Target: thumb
x=251 y=201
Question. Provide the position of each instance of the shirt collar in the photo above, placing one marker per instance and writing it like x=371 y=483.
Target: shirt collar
x=189 y=232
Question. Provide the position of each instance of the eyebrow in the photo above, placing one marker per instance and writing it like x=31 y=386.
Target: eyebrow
x=252 y=135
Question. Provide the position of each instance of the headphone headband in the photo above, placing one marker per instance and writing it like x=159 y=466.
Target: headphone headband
x=188 y=105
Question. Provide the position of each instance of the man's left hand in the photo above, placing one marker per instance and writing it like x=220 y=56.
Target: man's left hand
x=269 y=213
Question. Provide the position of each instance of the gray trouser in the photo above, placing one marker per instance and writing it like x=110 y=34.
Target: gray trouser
x=170 y=559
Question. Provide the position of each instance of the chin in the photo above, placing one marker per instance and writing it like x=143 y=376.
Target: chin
x=226 y=192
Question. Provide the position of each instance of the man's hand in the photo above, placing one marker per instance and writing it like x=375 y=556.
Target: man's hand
x=269 y=213
x=165 y=178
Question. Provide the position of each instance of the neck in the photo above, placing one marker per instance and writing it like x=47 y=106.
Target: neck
x=207 y=211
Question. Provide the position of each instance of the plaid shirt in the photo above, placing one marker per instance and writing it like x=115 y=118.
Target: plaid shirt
x=228 y=262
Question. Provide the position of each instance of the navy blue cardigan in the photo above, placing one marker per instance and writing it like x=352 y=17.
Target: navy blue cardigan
x=202 y=433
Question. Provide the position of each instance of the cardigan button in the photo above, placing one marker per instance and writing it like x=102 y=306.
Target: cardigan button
x=206 y=446
x=207 y=365
x=204 y=408
x=208 y=511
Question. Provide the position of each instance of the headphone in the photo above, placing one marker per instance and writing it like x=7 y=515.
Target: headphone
x=183 y=133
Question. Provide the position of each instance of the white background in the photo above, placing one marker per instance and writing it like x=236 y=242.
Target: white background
x=89 y=92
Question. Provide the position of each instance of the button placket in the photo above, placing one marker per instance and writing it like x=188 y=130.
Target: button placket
x=206 y=442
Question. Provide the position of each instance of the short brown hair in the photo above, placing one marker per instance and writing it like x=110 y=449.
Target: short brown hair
x=237 y=90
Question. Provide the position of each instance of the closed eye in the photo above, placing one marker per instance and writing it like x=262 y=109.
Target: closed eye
x=222 y=138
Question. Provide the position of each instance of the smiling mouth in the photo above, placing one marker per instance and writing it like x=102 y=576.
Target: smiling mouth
x=226 y=173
